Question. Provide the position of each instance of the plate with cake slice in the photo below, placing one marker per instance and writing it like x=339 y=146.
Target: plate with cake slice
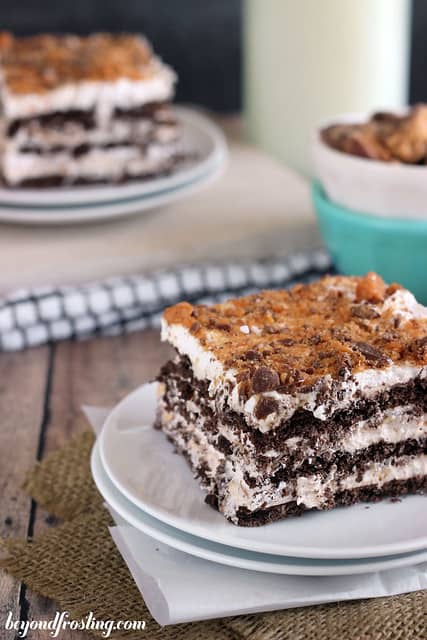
x=307 y=402
x=120 y=506
x=87 y=121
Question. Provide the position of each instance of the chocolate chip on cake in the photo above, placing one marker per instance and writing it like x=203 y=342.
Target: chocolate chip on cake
x=371 y=353
x=287 y=342
x=419 y=347
x=265 y=379
x=365 y=312
x=265 y=406
x=252 y=355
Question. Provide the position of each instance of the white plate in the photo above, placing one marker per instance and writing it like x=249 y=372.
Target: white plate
x=236 y=557
x=91 y=213
x=387 y=189
x=141 y=462
x=199 y=134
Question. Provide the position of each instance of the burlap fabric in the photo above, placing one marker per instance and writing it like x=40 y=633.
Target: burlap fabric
x=77 y=565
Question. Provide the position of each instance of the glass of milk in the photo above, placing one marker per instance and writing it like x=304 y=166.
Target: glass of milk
x=308 y=60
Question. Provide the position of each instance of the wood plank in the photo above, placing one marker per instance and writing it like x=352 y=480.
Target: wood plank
x=100 y=372
x=23 y=379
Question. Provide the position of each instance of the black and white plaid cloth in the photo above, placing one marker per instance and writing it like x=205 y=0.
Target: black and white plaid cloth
x=31 y=317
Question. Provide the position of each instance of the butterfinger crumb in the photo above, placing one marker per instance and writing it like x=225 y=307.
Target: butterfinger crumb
x=371 y=288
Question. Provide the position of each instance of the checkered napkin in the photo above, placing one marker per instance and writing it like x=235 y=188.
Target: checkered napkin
x=31 y=317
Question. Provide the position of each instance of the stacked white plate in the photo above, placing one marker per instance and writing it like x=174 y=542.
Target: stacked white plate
x=66 y=205
x=140 y=477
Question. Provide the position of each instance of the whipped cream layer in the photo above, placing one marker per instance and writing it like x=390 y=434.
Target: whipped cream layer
x=396 y=425
x=102 y=96
x=97 y=163
x=313 y=491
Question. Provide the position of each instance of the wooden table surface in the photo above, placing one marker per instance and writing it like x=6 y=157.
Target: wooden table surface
x=41 y=393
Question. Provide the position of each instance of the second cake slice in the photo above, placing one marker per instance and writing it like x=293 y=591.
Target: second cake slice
x=77 y=110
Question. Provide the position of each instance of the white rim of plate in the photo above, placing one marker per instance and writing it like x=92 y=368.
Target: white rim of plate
x=96 y=195
x=229 y=556
x=178 y=522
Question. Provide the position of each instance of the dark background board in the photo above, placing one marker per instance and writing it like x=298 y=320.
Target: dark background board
x=418 y=75
x=202 y=38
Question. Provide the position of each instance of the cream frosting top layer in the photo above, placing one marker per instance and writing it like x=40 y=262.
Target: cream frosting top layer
x=46 y=73
x=317 y=347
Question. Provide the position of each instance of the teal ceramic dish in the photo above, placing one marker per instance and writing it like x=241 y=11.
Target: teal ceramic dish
x=358 y=242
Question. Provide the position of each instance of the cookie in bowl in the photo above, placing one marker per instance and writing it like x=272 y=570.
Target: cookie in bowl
x=375 y=163
x=384 y=136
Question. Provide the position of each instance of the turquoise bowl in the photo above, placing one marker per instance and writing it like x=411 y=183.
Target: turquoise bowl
x=358 y=242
